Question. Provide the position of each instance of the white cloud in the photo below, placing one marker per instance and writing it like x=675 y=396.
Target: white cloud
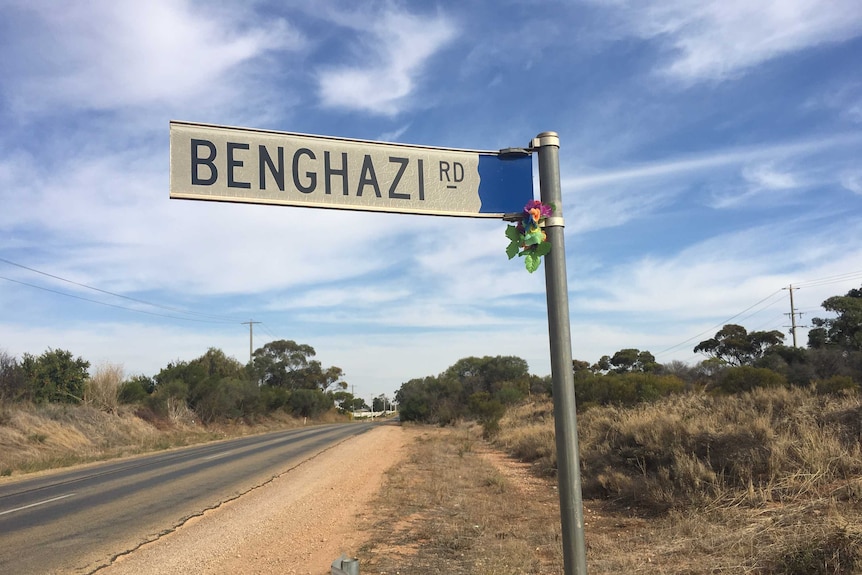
x=393 y=135
x=115 y=218
x=392 y=51
x=722 y=275
x=762 y=182
x=719 y=39
x=852 y=181
x=843 y=96
x=106 y=55
x=766 y=177
x=609 y=198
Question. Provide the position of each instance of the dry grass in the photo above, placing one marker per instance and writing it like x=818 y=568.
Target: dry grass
x=448 y=510
x=46 y=436
x=102 y=389
x=765 y=483
x=40 y=437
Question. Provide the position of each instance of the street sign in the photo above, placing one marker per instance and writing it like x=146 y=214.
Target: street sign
x=265 y=167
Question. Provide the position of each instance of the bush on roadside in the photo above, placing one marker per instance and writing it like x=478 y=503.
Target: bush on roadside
x=624 y=388
x=136 y=389
x=54 y=377
x=836 y=384
x=770 y=444
x=13 y=383
x=747 y=378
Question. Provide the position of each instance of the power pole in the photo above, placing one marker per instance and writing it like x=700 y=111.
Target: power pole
x=250 y=338
x=793 y=313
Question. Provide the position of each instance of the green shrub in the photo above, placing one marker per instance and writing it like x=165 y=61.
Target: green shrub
x=132 y=391
x=624 y=388
x=747 y=378
x=55 y=376
x=835 y=384
x=309 y=402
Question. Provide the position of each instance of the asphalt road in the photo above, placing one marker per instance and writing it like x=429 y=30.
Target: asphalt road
x=78 y=521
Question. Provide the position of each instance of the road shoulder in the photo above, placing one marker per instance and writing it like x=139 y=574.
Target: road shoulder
x=297 y=524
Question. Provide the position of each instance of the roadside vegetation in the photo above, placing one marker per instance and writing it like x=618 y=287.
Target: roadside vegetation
x=55 y=412
x=748 y=462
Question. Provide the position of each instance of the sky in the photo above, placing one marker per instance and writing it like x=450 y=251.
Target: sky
x=710 y=158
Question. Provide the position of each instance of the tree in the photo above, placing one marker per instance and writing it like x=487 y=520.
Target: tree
x=682 y=370
x=626 y=360
x=736 y=346
x=55 y=376
x=380 y=403
x=414 y=399
x=13 y=383
x=603 y=365
x=579 y=366
x=844 y=331
x=309 y=402
x=283 y=363
x=315 y=377
x=216 y=363
x=488 y=373
x=136 y=389
x=181 y=375
x=347 y=402
x=445 y=398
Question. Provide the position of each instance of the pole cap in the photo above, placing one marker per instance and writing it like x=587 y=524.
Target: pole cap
x=546 y=139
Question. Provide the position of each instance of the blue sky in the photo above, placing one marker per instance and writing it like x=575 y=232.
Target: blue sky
x=711 y=155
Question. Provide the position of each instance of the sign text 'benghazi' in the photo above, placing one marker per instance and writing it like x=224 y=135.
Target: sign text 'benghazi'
x=255 y=166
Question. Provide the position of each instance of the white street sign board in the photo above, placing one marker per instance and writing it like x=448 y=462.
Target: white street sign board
x=265 y=167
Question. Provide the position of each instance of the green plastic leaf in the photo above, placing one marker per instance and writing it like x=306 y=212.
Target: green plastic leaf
x=532 y=261
x=512 y=233
x=543 y=249
x=512 y=250
x=533 y=238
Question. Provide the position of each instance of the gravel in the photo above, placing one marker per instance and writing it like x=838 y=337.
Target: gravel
x=296 y=524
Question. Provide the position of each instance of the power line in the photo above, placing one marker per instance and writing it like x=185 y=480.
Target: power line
x=224 y=319
x=718 y=325
x=269 y=331
x=810 y=283
x=111 y=304
x=830 y=280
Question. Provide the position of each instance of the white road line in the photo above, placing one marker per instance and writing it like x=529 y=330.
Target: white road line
x=217 y=455
x=37 y=504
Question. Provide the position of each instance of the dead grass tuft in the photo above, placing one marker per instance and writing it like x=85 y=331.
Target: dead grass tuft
x=102 y=389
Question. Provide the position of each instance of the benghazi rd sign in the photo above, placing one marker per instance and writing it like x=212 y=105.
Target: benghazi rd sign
x=265 y=167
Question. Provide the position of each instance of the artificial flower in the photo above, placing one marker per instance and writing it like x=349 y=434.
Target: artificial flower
x=527 y=238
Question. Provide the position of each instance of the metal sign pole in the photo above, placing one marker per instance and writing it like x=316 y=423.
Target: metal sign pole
x=568 y=466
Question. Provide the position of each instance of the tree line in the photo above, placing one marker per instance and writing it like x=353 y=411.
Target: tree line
x=282 y=375
x=737 y=360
